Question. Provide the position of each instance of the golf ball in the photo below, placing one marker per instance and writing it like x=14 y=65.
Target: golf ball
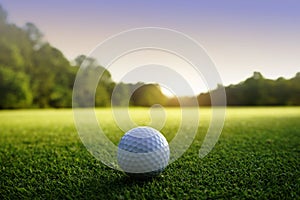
x=143 y=152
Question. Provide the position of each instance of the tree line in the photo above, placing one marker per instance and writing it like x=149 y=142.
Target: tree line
x=34 y=74
x=259 y=91
x=254 y=91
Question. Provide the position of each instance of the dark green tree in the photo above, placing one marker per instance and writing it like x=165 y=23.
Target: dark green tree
x=3 y=15
x=14 y=88
x=148 y=95
x=294 y=84
x=90 y=73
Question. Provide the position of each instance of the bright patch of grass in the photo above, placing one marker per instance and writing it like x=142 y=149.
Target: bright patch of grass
x=257 y=156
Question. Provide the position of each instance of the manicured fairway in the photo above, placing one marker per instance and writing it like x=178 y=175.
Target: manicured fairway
x=257 y=156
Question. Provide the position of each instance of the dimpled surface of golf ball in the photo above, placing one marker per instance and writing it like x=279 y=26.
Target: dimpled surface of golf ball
x=143 y=152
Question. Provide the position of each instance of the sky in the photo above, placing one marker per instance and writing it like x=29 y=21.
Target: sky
x=239 y=36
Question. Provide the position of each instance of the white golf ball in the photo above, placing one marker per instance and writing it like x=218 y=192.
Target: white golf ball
x=143 y=152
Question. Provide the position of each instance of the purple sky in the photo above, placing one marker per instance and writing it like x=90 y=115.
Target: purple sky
x=240 y=36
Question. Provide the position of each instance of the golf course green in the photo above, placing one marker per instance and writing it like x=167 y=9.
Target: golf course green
x=256 y=156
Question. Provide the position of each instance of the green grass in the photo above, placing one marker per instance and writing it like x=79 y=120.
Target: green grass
x=257 y=156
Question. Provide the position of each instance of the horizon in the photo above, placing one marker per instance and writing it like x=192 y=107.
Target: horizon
x=240 y=37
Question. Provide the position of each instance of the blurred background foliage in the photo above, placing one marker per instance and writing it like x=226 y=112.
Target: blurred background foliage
x=34 y=74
